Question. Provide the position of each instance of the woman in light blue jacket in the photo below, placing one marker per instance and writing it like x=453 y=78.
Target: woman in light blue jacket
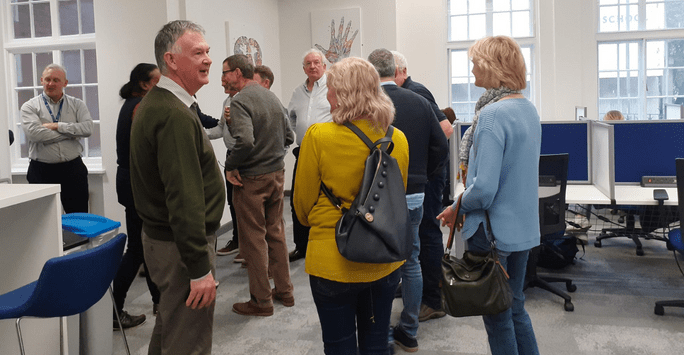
x=500 y=153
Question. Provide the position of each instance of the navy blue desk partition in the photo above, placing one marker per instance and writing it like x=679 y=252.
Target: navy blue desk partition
x=647 y=148
x=565 y=137
x=571 y=138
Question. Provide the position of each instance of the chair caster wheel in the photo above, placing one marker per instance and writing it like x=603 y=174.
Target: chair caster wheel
x=659 y=310
x=570 y=287
x=597 y=243
x=640 y=252
x=569 y=307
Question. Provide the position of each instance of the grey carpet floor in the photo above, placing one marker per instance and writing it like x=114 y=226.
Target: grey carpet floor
x=614 y=301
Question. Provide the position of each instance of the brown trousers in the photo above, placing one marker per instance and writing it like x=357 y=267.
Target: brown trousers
x=178 y=329
x=259 y=208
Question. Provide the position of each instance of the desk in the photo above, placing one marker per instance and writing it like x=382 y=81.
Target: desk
x=580 y=194
x=637 y=195
x=31 y=234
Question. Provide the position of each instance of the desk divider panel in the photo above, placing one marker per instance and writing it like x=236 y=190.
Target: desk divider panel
x=645 y=148
x=570 y=137
x=603 y=158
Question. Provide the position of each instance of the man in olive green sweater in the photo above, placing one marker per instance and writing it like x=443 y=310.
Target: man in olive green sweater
x=179 y=193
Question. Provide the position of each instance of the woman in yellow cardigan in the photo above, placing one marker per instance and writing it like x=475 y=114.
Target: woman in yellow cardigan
x=353 y=300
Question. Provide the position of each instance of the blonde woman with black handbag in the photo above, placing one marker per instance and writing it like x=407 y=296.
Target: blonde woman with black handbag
x=353 y=299
x=500 y=153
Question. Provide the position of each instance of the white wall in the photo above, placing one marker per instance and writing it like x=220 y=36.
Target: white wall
x=566 y=58
x=125 y=37
x=422 y=38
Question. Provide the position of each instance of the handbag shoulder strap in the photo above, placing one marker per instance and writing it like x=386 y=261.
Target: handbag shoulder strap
x=450 y=242
x=492 y=241
x=334 y=199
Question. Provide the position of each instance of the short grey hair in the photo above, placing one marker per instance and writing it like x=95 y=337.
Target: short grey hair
x=167 y=37
x=55 y=66
x=400 y=60
x=383 y=61
x=315 y=51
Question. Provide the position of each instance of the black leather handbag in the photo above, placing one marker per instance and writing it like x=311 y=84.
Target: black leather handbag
x=475 y=285
x=376 y=227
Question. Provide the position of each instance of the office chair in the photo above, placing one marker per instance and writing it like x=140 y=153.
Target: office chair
x=67 y=285
x=650 y=218
x=553 y=171
x=675 y=235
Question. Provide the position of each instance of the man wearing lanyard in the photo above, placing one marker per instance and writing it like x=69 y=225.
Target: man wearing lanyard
x=54 y=124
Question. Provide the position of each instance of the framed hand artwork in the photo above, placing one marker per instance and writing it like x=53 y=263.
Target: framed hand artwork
x=337 y=33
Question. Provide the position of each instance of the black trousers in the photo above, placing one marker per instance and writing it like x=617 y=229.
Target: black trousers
x=299 y=231
x=131 y=261
x=72 y=176
x=233 y=216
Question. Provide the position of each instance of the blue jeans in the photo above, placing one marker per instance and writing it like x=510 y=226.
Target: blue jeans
x=509 y=332
x=431 y=246
x=411 y=276
x=350 y=310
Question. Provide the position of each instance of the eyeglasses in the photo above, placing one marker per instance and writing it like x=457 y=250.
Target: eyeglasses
x=312 y=64
x=228 y=71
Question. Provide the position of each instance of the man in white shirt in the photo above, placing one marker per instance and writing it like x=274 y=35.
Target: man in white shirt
x=54 y=124
x=308 y=105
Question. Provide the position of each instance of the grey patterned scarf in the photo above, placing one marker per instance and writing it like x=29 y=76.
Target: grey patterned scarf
x=490 y=96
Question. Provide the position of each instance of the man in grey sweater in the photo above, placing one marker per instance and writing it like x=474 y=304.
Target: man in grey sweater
x=255 y=167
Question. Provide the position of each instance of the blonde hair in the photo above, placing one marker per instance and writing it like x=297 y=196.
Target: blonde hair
x=613 y=115
x=357 y=87
x=500 y=58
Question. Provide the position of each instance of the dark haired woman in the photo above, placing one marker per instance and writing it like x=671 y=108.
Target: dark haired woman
x=143 y=78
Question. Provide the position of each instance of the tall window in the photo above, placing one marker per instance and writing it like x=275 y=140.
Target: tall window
x=52 y=31
x=641 y=58
x=471 y=20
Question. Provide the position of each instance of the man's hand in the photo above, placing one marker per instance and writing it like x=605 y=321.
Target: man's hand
x=233 y=177
x=202 y=292
x=52 y=125
x=447 y=128
x=339 y=47
x=226 y=114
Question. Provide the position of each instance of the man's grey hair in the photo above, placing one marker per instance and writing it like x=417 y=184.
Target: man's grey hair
x=315 y=51
x=400 y=60
x=167 y=37
x=55 y=66
x=383 y=61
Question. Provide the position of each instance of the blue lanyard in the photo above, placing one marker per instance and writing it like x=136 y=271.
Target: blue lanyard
x=59 y=113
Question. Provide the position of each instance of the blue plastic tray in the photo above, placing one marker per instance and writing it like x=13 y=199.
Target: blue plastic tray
x=88 y=225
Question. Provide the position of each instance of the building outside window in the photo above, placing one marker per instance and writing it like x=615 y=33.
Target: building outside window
x=469 y=21
x=44 y=32
x=641 y=58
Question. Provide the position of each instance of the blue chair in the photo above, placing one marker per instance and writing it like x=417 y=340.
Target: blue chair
x=67 y=285
x=675 y=235
x=91 y=226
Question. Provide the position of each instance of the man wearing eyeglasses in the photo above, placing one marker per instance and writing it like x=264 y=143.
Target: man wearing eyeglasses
x=308 y=105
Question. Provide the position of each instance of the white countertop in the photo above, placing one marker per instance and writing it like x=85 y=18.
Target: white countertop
x=12 y=194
